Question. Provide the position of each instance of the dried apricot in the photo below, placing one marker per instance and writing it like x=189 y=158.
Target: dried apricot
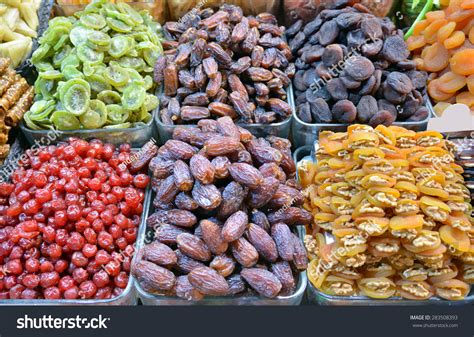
x=467 y=4
x=451 y=82
x=436 y=93
x=420 y=27
x=430 y=32
x=460 y=15
x=471 y=35
x=436 y=57
x=470 y=83
x=465 y=98
x=415 y=42
x=445 y=31
x=455 y=40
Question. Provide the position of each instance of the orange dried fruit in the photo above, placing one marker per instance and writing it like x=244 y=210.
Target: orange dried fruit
x=467 y=4
x=436 y=57
x=465 y=98
x=415 y=42
x=445 y=31
x=430 y=32
x=470 y=83
x=455 y=40
x=471 y=35
x=454 y=237
x=460 y=15
x=436 y=93
x=435 y=15
x=462 y=62
x=420 y=27
x=451 y=82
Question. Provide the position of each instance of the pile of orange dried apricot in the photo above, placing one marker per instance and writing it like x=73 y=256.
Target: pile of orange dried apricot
x=391 y=215
x=443 y=45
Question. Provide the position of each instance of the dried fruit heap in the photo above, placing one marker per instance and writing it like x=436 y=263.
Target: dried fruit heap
x=68 y=222
x=353 y=66
x=16 y=97
x=443 y=45
x=224 y=64
x=225 y=203
x=396 y=207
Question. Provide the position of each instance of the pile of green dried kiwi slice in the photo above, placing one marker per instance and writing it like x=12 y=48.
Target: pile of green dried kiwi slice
x=95 y=70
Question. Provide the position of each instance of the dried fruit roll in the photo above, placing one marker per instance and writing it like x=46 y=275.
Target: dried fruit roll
x=13 y=93
x=6 y=80
x=216 y=187
x=4 y=64
x=15 y=114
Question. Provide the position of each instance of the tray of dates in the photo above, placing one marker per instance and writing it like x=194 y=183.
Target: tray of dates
x=222 y=63
x=69 y=219
x=353 y=67
x=392 y=219
x=221 y=229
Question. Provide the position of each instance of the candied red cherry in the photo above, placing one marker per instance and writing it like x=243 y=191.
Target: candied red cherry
x=114 y=180
x=31 y=207
x=69 y=152
x=93 y=267
x=14 y=210
x=58 y=205
x=49 y=279
x=81 y=225
x=115 y=231
x=105 y=240
x=40 y=218
x=61 y=237
x=107 y=217
x=30 y=281
x=61 y=266
x=121 y=243
x=84 y=172
x=71 y=293
x=23 y=196
x=9 y=281
x=39 y=179
x=112 y=199
x=91 y=196
x=32 y=253
x=112 y=268
x=15 y=291
x=29 y=226
x=122 y=221
x=101 y=278
x=108 y=151
x=121 y=280
x=74 y=212
x=91 y=164
x=102 y=257
x=44 y=156
x=60 y=218
x=32 y=265
x=126 y=179
x=89 y=250
x=14 y=266
x=113 y=208
x=141 y=181
x=79 y=260
x=66 y=283
x=16 y=253
x=98 y=206
x=52 y=293
x=55 y=251
x=71 y=199
x=72 y=186
x=87 y=289
x=103 y=293
x=80 y=275
x=29 y=294
x=46 y=266
x=105 y=188
x=132 y=198
x=130 y=234
x=125 y=147
x=90 y=235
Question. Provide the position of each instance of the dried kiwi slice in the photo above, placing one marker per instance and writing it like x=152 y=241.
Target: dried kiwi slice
x=78 y=35
x=97 y=39
x=118 y=25
x=116 y=114
x=109 y=97
x=96 y=116
x=93 y=20
x=71 y=59
x=87 y=54
x=59 y=57
x=121 y=45
x=75 y=96
x=132 y=14
x=98 y=83
x=51 y=75
x=151 y=102
x=71 y=72
x=119 y=126
x=133 y=97
x=63 y=120
x=116 y=75
x=132 y=62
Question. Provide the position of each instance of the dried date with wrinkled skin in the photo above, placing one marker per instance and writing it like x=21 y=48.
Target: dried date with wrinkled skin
x=291 y=216
x=197 y=53
x=212 y=236
x=236 y=284
x=232 y=198
x=166 y=192
x=171 y=79
x=185 y=290
x=260 y=219
x=282 y=270
x=223 y=264
x=221 y=145
x=235 y=226
x=260 y=196
x=240 y=31
x=273 y=170
x=241 y=65
x=192 y=113
x=262 y=281
x=300 y=256
x=210 y=67
x=262 y=242
x=222 y=110
x=197 y=99
x=206 y=196
x=237 y=86
x=200 y=77
x=241 y=105
x=186 y=264
x=201 y=169
x=179 y=150
x=244 y=252
x=209 y=282
x=214 y=85
x=281 y=234
x=181 y=218
x=193 y=247
x=167 y=234
x=221 y=167
x=227 y=127
x=185 y=201
x=160 y=254
x=157 y=277
x=219 y=54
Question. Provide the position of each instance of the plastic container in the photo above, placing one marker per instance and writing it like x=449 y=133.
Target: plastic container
x=136 y=136
x=158 y=9
x=306 y=133
x=280 y=129
x=128 y=297
x=155 y=299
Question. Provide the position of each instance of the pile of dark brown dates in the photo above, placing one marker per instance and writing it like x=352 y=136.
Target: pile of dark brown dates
x=226 y=203
x=353 y=66
x=224 y=64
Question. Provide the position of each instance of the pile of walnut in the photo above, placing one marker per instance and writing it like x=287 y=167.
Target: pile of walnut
x=16 y=97
x=225 y=204
x=391 y=215
x=224 y=64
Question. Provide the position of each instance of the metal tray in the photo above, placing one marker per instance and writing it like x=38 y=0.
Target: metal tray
x=127 y=297
x=155 y=299
x=136 y=136
x=315 y=296
x=306 y=133
x=280 y=129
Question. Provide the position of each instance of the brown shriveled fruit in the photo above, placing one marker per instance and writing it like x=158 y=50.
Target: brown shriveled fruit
x=262 y=281
x=212 y=236
x=235 y=226
x=207 y=281
x=262 y=242
x=157 y=277
x=244 y=252
x=194 y=247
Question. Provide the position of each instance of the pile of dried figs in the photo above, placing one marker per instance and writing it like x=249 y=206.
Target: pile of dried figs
x=225 y=205
x=224 y=64
x=353 y=66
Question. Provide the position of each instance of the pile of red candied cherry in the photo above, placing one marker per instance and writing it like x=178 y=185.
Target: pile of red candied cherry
x=68 y=222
